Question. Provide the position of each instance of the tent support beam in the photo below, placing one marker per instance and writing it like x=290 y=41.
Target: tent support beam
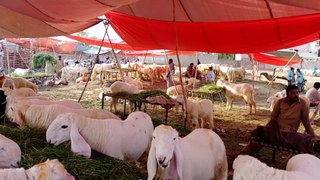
x=179 y=64
x=89 y=78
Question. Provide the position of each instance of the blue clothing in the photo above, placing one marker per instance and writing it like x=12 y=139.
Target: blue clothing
x=300 y=77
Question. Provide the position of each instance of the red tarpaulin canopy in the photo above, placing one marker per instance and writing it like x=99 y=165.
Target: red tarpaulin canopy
x=34 y=18
x=266 y=58
x=224 y=37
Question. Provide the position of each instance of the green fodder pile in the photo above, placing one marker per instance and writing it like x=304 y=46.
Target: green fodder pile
x=35 y=149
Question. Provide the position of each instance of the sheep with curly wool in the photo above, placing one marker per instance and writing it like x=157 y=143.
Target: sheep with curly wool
x=48 y=170
x=199 y=155
x=10 y=153
x=120 y=86
x=41 y=116
x=124 y=140
x=24 y=103
x=198 y=110
x=244 y=91
x=249 y=168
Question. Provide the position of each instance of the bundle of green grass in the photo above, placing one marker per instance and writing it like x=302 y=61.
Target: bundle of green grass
x=35 y=149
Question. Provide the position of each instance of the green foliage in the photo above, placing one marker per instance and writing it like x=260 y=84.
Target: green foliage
x=210 y=88
x=142 y=95
x=39 y=60
x=226 y=56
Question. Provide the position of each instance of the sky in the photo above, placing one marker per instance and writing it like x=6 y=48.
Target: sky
x=96 y=31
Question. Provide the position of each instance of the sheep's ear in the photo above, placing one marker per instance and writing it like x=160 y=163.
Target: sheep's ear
x=178 y=156
x=19 y=118
x=152 y=162
x=78 y=144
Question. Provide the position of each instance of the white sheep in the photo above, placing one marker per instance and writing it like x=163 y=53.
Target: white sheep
x=306 y=163
x=171 y=91
x=199 y=155
x=249 y=168
x=119 y=86
x=202 y=109
x=124 y=140
x=10 y=153
x=21 y=82
x=135 y=82
x=243 y=90
x=41 y=116
x=49 y=170
x=24 y=103
x=274 y=98
x=19 y=92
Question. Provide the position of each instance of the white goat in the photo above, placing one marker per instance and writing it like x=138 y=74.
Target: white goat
x=124 y=140
x=202 y=109
x=199 y=155
x=249 y=168
x=49 y=170
x=41 y=116
x=243 y=90
x=10 y=153
x=119 y=86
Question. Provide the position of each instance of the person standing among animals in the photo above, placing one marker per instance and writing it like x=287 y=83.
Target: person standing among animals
x=210 y=76
x=170 y=73
x=300 y=80
x=313 y=94
x=291 y=77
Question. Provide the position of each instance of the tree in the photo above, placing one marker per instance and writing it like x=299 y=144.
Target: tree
x=226 y=56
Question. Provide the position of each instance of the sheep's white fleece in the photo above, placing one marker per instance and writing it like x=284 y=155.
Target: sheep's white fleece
x=119 y=86
x=171 y=91
x=249 y=168
x=10 y=153
x=11 y=104
x=202 y=109
x=123 y=140
x=135 y=82
x=21 y=82
x=49 y=170
x=306 y=163
x=199 y=155
x=41 y=116
x=19 y=92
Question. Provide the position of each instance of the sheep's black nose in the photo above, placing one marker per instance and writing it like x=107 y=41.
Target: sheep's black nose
x=161 y=160
x=49 y=141
x=18 y=163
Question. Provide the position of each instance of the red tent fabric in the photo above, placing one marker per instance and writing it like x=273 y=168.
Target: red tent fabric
x=224 y=37
x=33 y=18
x=273 y=60
x=157 y=53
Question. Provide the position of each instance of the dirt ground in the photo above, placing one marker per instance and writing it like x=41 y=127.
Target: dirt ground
x=230 y=125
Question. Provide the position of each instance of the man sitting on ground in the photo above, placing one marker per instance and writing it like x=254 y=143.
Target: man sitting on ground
x=313 y=94
x=282 y=129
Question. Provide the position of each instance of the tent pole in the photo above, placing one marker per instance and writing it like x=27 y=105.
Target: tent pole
x=179 y=64
x=8 y=61
x=93 y=67
x=114 y=54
